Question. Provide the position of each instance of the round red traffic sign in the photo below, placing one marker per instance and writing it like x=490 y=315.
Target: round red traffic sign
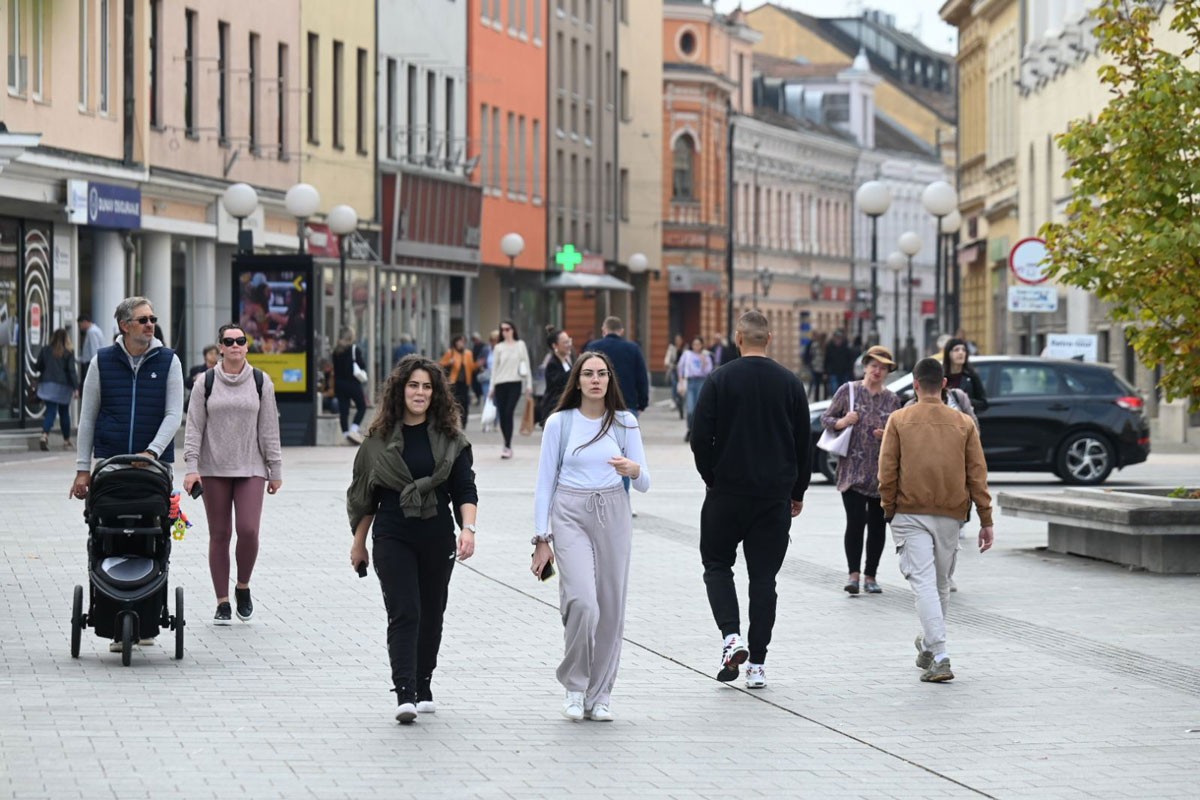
x=1028 y=260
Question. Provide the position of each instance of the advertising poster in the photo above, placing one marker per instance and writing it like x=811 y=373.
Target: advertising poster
x=273 y=305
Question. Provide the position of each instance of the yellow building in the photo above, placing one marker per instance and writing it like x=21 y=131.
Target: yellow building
x=917 y=90
x=988 y=65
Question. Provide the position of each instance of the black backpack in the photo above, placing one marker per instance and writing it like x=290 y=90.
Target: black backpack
x=210 y=378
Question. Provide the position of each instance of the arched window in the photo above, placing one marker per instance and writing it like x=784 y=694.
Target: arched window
x=683 y=183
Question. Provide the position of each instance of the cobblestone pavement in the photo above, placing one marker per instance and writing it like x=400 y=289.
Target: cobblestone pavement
x=1075 y=678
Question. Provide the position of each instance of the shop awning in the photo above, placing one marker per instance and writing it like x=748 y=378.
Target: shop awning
x=587 y=281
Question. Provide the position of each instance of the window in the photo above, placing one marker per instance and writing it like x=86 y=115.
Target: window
x=16 y=59
x=389 y=102
x=410 y=114
x=38 y=23
x=587 y=72
x=574 y=180
x=312 y=79
x=339 y=77
x=281 y=95
x=223 y=82
x=588 y=194
x=156 y=63
x=189 y=76
x=522 y=23
x=537 y=158
x=559 y=57
x=607 y=196
x=85 y=55
x=625 y=96
x=362 y=86
x=252 y=75
x=484 y=148
x=521 y=162
x=511 y=170
x=105 y=30
x=448 y=100
x=606 y=79
x=624 y=195
x=575 y=67
x=587 y=11
x=495 y=11
x=560 y=173
x=512 y=16
x=1027 y=379
x=537 y=21
x=496 y=148
x=684 y=155
x=431 y=142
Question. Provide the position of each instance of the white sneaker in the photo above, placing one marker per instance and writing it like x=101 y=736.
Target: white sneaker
x=116 y=647
x=600 y=713
x=733 y=656
x=426 y=707
x=406 y=713
x=573 y=706
x=355 y=437
x=756 y=676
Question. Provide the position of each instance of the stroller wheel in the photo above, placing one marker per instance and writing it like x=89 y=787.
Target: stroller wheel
x=178 y=623
x=126 y=639
x=76 y=621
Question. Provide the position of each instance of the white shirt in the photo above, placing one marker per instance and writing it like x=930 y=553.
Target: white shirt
x=589 y=468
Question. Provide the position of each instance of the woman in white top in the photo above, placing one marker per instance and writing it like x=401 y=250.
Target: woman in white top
x=511 y=375
x=591 y=453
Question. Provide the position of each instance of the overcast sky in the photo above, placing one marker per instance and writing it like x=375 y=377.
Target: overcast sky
x=919 y=17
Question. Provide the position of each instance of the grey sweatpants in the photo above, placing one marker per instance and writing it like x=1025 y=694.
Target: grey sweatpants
x=593 y=535
x=926 y=549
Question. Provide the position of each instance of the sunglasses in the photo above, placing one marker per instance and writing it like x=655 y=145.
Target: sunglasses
x=144 y=320
x=229 y=341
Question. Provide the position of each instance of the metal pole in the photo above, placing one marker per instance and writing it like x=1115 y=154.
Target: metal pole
x=729 y=205
x=956 y=307
x=937 y=274
x=874 y=277
x=512 y=288
x=342 y=281
x=909 y=352
x=300 y=234
x=896 y=309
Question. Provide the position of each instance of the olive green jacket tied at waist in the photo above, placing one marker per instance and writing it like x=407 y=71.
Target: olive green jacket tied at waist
x=380 y=465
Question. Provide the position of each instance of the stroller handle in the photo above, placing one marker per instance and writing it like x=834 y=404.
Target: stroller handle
x=134 y=458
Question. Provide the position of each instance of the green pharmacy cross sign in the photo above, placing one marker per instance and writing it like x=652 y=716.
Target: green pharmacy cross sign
x=569 y=258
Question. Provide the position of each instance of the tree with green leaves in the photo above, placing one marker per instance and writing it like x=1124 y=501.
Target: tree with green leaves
x=1132 y=236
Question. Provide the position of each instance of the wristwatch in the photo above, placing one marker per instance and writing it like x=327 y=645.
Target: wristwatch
x=470 y=527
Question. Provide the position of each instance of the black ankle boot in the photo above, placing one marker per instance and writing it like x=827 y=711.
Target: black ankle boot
x=406 y=704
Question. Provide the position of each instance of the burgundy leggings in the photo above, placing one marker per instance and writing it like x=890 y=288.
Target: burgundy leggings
x=222 y=498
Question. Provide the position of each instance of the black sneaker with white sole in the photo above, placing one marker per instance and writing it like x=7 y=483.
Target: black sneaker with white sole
x=245 y=608
x=224 y=615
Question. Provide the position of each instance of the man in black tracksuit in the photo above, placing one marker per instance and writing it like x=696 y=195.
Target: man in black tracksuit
x=750 y=439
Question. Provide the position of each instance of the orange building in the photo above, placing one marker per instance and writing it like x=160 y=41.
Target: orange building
x=707 y=71
x=506 y=119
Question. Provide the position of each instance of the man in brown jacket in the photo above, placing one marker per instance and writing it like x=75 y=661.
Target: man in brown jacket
x=931 y=469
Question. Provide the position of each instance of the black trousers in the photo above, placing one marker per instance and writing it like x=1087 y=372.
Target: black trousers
x=348 y=389
x=506 y=396
x=863 y=512
x=415 y=577
x=761 y=526
x=462 y=393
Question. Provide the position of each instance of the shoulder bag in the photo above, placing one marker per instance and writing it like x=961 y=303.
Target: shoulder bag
x=360 y=374
x=838 y=442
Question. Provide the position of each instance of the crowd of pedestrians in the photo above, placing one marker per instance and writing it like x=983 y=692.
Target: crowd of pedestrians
x=412 y=485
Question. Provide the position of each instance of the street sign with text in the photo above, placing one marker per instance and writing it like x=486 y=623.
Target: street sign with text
x=1032 y=299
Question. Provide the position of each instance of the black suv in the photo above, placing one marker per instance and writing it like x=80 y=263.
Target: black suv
x=1077 y=420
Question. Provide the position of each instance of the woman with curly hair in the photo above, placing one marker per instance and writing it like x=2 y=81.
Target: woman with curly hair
x=413 y=478
x=591 y=454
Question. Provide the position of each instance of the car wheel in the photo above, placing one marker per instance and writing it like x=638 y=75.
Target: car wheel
x=828 y=464
x=1085 y=459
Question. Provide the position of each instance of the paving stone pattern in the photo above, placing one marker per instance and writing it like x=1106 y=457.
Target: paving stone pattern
x=1076 y=679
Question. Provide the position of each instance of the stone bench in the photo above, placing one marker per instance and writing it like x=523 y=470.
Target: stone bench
x=1138 y=528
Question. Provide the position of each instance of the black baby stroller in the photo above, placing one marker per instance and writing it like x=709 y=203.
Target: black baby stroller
x=129 y=551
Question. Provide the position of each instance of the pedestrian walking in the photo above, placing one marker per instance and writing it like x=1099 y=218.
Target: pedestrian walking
x=132 y=400
x=865 y=405
x=671 y=364
x=751 y=444
x=405 y=347
x=558 y=369
x=839 y=361
x=633 y=377
x=480 y=350
x=591 y=448
x=232 y=450
x=459 y=364
x=57 y=386
x=349 y=375
x=956 y=361
x=511 y=377
x=412 y=480
x=93 y=340
x=814 y=359
x=931 y=469
x=695 y=365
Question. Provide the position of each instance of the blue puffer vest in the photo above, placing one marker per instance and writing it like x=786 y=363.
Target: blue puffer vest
x=132 y=405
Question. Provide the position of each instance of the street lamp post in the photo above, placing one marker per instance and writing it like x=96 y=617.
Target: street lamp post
x=342 y=220
x=873 y=199
x=939 y=199
x=512 y=245
x=240 y=200
x=895 y=262
x=910 y=245
x=949 y=229
x=302 y=201
x=639 y=265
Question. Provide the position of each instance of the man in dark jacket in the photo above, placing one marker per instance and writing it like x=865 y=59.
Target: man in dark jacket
x=750 y=440
x=628 y=361
x=839 y=362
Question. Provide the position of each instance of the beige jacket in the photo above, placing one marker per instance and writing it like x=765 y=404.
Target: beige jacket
x=931 y=462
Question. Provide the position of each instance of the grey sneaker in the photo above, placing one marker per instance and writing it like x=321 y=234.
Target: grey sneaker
x=924 y=657
x=938 y=672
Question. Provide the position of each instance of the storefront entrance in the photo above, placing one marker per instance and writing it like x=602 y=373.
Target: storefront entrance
x=26 y=314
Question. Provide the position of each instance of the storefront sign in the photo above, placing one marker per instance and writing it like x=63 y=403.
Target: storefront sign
x=104 y=205
x=1068 y=345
